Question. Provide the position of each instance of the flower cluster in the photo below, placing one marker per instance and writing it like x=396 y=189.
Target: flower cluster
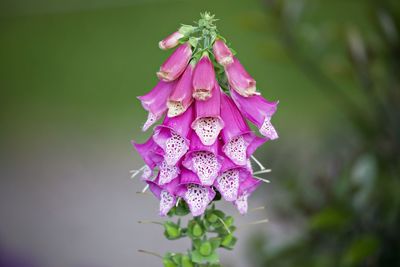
x=204 y=144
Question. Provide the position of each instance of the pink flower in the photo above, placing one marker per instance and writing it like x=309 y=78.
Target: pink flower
x=170 y=41
x=172 y=135
x=246 y=188
x=197 y=197
x=181 y=96
x=203 y=78
x=240 y=141
x=166 y=193
x=222 y=53
x=208 y=122
x=174 y=66
x=239 y=79
x=155 y=102
x=203 y=160
x=259 y=111
x=150 y=152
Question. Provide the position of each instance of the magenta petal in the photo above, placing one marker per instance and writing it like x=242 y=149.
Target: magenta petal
x=181 y=97
x=205 y=164
x=234 y=123
x=150 y=152
x=188 y=177
x=170 y=41
x=208 y=122
x=165 y=193
x=167 y=173
x=198 y=197
x=222 y=53
x=257 y=110
x=246 y=188
x=239 y=79
x=174 y=66
x=203 y=78
x=155 y=102
x=180 y=124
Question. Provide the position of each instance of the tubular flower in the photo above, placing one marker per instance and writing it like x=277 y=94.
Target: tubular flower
x=203 y=78
x=155 y=102
x=181 y=96
x=203 y=161
x=259 y=111
x=239 y=79
x=204 y=144
x=172 y=135
x=170 y=41
x=222 y=53
x=174 y=66
x=239 y=141
x=208 y=122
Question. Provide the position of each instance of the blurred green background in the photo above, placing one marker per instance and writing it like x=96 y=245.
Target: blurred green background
x=70 y=72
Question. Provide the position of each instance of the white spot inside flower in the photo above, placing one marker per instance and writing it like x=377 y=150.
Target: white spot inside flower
x=167 y=173
x=206 y=166
x=196 y=197
x=175 y=108
x=235 y=149
x=268 y=130
x=228 y=184
x=175 y=148
x=167 y=201
x=207 y=129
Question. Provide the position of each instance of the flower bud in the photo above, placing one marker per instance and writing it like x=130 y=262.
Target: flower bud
x=170 y=41
x=174 y=66
x=203 y=78
x=239 y=79
x=172 y=230
x=222 y=53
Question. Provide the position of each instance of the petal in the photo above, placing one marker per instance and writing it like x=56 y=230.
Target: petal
x=173 y=144
x=188 y=177
x=234 y=123
x=239 y=79
x=258 y=110
x=176 y=63
x=228 y=184
x=208 y=123
x=167 y=173
x=203 y=78
x=181 y=97
x=167 y=202
x=149 y=151
x=241 y=204
x=170 y=41
x=205 y=164
x=198 y=197
x=222 y=53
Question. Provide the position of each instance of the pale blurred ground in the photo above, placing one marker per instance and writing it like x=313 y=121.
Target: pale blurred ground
x=70 y=72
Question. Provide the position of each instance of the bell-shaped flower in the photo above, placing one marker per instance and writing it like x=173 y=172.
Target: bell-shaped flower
x=170 y=41
x=195 y=195
x=167 y=172
x=166 y=193
x=208 y=122
x=155 y=102
x=257 y=110
x=151 y=154
x=245 y=190
x=222 y=53
x=239 y=79
x=203 y=78
x=203 y=160
x=181 y=97
x=229 y=180
x=172 y=135
x=239 y=141
x=174 y=66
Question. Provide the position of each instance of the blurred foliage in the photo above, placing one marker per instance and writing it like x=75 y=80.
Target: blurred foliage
x=350 y=214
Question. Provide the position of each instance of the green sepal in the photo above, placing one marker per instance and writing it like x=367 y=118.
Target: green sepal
x=195 y=229
x=215 y=242
x=186 y=261
x=168 y=261
x=228 y=241
x=172 y=231
x=198 y=258
x=205 y=248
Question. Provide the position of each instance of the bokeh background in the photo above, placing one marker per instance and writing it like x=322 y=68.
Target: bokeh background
x=70 y=72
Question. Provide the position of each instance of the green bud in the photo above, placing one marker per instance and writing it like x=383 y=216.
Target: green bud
x=228 y=221
x=206 y=249
x=186 y=261
x=212 y=218
x=197 y=231
x=186 y=29
x=172 y=230
x=228 y=241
